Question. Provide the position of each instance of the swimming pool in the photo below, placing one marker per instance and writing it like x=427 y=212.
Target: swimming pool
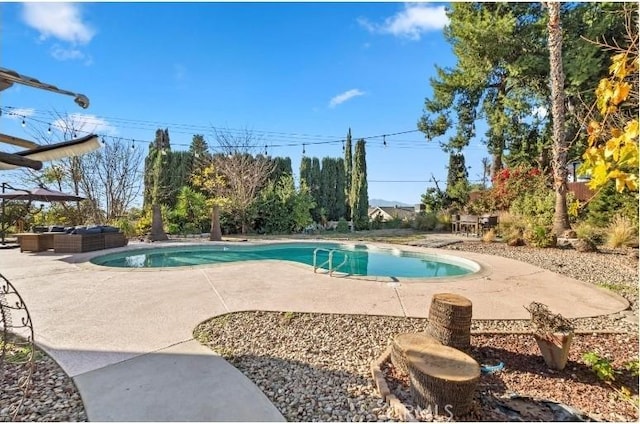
x=359 y=260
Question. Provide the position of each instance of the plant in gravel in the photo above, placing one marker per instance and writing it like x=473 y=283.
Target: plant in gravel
x=616 y=288
x=600 y=365
x=489 y=236
x=511 y=227
x=540 y=236
x=621 y=232
x=287 y=317
x=587 y=231
x=604 y=370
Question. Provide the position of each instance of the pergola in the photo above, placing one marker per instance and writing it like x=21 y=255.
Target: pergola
x=34 y=153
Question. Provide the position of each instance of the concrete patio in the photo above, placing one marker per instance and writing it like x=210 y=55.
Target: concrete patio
x=125 y=335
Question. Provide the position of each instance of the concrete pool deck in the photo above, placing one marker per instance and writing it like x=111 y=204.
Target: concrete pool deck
x=125 y=335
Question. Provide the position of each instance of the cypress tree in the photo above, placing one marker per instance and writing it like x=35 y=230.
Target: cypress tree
x=359 y=189
x=314 y=188
x=328 y=188
x=305 y=171
x=348 y=169
x=457 y=182
x=341 y=199
x=281 y=167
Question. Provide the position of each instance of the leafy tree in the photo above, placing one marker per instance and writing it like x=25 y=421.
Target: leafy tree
x=243 y=174
x=435 y=200
x=612 y=152
x=191 y=212
x=282 y=208
x=348 y=169
x=502 y=72
x=560 y=145
x=212 y=183
x=457 y=180
x=359 y=191
x=492 y=78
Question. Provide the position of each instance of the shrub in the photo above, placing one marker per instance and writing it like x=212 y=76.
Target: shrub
x=342 y=226
x=608 y=202
x=425 y=222
x=536 y=206
x=377 y=223
x=621 y=232
x=489 y=236
x=539 y=236
x=393 y=223
x=125 y=227
x=586 y=231
x=511 y=227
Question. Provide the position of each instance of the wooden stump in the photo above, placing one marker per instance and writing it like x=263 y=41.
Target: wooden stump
x=405 y=342
x=450 y=320
x=442 y=378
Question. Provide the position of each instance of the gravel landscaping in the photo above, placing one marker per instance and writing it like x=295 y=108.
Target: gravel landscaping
x=316 y=367
x=53 y=395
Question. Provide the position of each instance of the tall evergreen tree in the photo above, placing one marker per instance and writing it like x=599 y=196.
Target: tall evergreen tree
x=502 y=72
x=198 y=147
x=457 y=180
x=281 y=167
x=359 y=189
x=328 y=188
x=348 y=169
x=314 y=188
x=305 y=171
x=341 y=198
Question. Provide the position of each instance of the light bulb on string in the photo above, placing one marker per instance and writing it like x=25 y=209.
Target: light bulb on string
x=265 y=150
x=303 y=150
x=343 y=145
x=49 y=129
x=384 y=140
x=75 y=135
x=103 y=141
x=23 y=123
x=133 y=144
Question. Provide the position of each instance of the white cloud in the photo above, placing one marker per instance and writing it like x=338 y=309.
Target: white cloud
x=85 y=124
x=59 y=20
x=343 y=97
x=18 y=113
x=415 y=20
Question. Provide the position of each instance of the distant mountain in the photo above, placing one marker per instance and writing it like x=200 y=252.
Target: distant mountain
x=381 y=202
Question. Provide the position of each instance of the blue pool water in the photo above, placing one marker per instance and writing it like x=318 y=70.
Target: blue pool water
x=354 y=260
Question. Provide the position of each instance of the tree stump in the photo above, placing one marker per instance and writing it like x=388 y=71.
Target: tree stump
x=442 y=379
x=405 y=342
x=450 y=320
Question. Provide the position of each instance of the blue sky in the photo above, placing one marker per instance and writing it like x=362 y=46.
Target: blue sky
x=292 y=73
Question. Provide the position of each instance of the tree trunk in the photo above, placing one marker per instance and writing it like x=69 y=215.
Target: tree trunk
x=216 y=232
x=559 y=161
x=157 y=227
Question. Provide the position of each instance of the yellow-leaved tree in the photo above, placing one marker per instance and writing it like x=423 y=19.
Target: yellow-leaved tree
x=612 y=151
x=208 y=179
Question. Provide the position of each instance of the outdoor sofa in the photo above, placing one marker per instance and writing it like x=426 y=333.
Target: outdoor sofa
x=89 y=239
